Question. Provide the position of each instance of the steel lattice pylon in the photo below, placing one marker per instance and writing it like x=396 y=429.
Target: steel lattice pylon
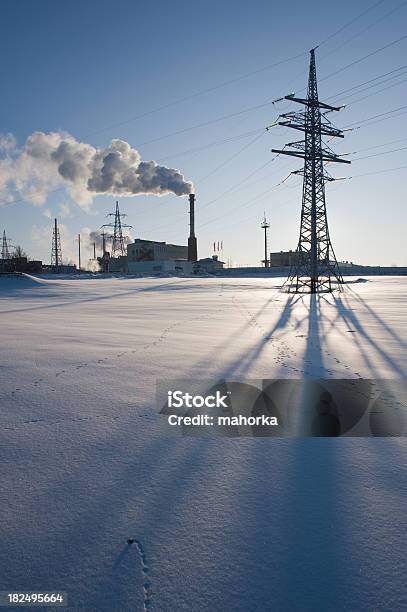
x=56 y=250
x=5 y=253
x=316 y=266
x=118 y=247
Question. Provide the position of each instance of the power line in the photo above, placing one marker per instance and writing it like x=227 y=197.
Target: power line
x=378 y=84
x=348 y=178
x=212 y=144
x=356 y=62
x=246 y=146
x=265 y=193
x=377 y=146
x=362 y=121
x=235 y=79
x=379 y=154
x=358 y=125
x=259 y=197
x=279 y=205
x=380 y=120
x=361 y=59
x=236 y=185
x=206 y=123
x=349 y=23
x=375 y=93
x=344 y=91
x=367 y=28
x=197 y=94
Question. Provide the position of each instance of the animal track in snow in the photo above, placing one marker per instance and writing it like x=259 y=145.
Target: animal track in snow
x=144 y=571
x=163 y=335
x=46 y=422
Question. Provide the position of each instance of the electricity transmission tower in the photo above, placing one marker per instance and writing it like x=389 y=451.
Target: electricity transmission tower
x=265 y=225
x=117 y=240
x=5 y=253
x=316 y=267
x=56 y=251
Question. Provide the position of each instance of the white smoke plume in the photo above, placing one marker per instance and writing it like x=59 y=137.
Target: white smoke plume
x=96 y=237
x=49 y=161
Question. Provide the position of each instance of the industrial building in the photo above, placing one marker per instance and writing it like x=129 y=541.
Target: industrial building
x=208 y=265
x=149 y=250
x=115 y=264
x=20 y=264
x=283 y=258
x=166 y=266
x=150 y=257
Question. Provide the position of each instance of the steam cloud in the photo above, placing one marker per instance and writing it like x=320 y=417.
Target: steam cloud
x=49 y=161
x=96 y=237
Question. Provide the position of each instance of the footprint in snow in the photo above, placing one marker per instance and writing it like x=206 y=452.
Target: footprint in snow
x=144 y=571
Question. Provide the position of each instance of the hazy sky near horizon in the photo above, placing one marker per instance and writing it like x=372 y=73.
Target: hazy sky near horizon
x=92 y=68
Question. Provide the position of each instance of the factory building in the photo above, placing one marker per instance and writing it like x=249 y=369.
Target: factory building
x=117 y=264
x=20 y=264
x=149 y=250
x=283 y=258
x=149 y=256
x=208 y=265
x=165 y=266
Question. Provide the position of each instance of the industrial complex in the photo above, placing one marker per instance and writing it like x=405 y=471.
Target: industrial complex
x=142 y=257
x=311 y=268
x=119 y=255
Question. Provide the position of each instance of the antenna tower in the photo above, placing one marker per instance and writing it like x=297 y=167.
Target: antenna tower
x=117 y=240
x=265 y=225
x=316 y=267
x=56 y=251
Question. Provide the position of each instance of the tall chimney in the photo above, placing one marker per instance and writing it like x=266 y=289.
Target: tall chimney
x=192 y=245
x=79 y=252
x=56 y=245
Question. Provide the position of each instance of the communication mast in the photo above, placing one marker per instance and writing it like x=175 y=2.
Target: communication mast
x=316 y=266
x=265 y=225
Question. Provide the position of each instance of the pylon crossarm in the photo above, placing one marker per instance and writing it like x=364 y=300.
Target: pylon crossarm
x=300 y=125
x=325 y=156
x=317 y=103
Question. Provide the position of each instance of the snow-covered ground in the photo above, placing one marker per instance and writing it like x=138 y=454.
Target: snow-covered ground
x=224 y=524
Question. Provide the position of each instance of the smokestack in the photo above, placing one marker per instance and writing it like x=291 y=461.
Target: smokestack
x=94 y=250
x=56 y=244
x=105 y=255
x=192 y=244
x=79 y=252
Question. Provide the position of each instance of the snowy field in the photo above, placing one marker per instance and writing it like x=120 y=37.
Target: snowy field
x=234 y=525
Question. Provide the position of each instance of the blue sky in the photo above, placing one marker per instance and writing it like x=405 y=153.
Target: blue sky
x=92 y=68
